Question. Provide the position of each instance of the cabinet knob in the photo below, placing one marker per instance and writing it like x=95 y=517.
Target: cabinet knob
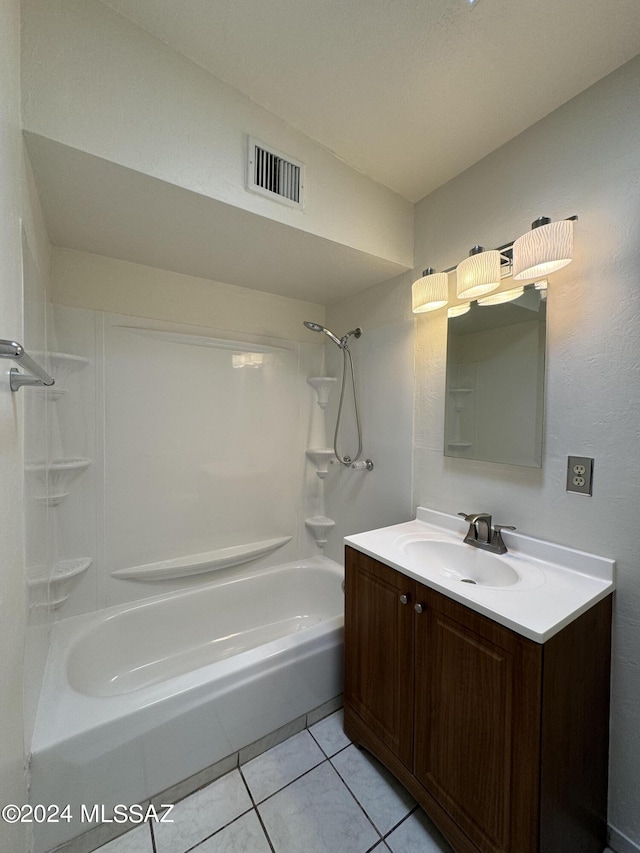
x=417 y=608
x=404 y=599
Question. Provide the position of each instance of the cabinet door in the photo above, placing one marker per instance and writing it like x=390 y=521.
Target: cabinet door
x=477 y=717
x=379 y=660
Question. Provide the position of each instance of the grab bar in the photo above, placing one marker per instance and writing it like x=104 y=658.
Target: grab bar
x=14 y=350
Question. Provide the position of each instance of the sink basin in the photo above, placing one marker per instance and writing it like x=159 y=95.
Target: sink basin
x=459 y=562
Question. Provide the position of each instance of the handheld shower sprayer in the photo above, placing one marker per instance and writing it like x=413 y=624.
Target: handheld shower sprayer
x=343 y=343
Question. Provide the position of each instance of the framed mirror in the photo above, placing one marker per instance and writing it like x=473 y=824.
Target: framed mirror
x=495 y=380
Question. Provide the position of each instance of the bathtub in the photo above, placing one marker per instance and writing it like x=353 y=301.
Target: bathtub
x=137 y=698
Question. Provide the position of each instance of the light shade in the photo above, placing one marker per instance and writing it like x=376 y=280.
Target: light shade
x=430 y=292
x=479 y=273
x=503 y=296
x=458 y=310
x=546 y=248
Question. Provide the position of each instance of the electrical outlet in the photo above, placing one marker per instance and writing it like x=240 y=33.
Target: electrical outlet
x=580 y=475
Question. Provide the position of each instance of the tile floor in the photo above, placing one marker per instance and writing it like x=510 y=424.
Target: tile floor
x=313 y=793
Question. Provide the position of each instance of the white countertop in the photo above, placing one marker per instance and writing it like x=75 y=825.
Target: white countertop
x=556 y=584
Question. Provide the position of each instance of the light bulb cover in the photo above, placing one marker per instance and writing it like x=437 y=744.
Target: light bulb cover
x=479 y=273
x=459 y=310
x=430 y=292
x=502 y=296
x=545 y=249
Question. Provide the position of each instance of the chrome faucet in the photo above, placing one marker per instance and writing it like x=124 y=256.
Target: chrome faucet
x=482 y=535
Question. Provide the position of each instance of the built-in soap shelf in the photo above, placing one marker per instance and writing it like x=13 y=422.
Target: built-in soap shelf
x=322 y=385
x=197 y=564
x=320 y=526
x=321 y=457
x=64 y=577
x=62 y=365
x=60 y=474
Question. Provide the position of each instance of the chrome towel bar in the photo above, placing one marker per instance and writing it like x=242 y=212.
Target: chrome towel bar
x=15 y=351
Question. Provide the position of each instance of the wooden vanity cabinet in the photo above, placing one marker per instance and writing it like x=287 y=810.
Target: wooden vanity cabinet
x=502 y=741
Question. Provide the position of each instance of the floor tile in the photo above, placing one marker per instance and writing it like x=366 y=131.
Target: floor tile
x=317 y=814
x=381 y=796
x=244 y=835
x=202 y=814
x=417 y=835
x=274 y=769
x=136 y=841
x=330 y=734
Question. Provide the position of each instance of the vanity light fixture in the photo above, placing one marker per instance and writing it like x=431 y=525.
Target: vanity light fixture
x=479 y=273
x=430 y=292
x=546 y=248
x=503 y=296
x=459 y=310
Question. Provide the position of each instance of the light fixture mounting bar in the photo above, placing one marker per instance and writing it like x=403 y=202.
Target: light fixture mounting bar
x=507 y=249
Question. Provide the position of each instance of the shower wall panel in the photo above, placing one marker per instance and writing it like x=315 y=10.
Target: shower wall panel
x=198 y=438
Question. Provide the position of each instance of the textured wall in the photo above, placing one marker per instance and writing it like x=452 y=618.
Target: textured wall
x=583 y=159
x=383 y=359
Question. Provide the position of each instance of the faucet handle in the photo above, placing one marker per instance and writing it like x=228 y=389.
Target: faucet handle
x=475 y=516
x=497 y=542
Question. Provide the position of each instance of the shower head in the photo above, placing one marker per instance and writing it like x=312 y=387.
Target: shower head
x=316 y=327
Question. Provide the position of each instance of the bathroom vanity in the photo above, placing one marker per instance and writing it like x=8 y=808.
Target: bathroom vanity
x=498 y=728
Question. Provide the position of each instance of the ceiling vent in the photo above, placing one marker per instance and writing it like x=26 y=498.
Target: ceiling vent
x=274 y=174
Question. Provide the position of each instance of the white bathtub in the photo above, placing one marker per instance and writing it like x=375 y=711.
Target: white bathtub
x=137 y=698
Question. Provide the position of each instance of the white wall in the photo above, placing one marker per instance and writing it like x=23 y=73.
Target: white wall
x=13 y=619
x=83 y=280
x=96 y=82
x=582 y=159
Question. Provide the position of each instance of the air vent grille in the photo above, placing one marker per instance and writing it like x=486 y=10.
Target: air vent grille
x=274 y=175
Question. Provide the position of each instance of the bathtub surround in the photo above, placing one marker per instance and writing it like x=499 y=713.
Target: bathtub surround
x=151 y=528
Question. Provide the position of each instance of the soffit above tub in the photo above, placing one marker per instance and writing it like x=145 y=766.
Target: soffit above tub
x=409 y=93
x=93 y=205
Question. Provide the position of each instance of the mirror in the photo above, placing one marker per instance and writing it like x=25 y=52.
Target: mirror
x=495 y=381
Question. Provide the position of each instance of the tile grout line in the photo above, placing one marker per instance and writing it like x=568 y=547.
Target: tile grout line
x=400 y=822
x=359 y=804
x=255 y=809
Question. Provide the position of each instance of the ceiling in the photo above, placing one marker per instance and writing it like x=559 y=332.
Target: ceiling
x=409 y=92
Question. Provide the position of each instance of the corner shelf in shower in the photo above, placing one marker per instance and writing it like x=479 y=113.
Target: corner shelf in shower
x=322 y=385
x=64 y=576
x=320 y=526
x=321 y=456
x=61 y=473
x=197 y=564
x=62 y=365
